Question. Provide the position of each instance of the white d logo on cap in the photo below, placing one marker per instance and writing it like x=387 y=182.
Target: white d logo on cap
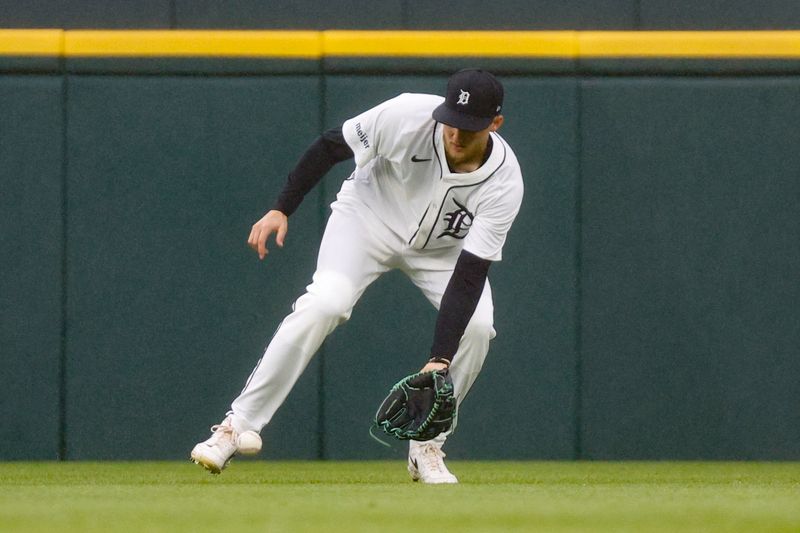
x=463 y=98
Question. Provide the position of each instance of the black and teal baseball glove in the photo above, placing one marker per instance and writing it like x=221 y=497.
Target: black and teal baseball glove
x=418 y=407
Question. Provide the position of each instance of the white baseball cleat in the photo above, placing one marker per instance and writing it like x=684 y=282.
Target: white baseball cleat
x=426 y=463
x=215 y=453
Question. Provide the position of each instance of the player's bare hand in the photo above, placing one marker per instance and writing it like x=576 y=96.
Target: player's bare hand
x=430 y=367
x=273 y=222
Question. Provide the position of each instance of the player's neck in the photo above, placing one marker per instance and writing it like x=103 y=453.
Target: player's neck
x=470 y=162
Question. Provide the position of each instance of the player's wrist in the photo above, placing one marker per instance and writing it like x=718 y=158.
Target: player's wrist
x=439 y=360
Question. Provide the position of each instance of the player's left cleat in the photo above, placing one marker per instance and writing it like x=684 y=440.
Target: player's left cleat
x=216 y=453
x=426 y=463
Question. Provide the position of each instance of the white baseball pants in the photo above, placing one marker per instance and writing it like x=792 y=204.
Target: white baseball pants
x=356 y=248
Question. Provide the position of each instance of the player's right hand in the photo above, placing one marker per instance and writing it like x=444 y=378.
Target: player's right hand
x=273 y=222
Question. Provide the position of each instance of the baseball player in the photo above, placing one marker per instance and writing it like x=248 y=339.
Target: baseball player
x=434 y=193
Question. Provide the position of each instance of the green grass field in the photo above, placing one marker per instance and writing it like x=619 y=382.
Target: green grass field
x=379 y=496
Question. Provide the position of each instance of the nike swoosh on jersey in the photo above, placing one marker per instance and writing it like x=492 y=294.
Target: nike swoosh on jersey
x=416 y=159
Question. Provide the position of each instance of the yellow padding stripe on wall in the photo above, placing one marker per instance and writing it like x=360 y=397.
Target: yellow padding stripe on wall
x=700 y=44
x=32 y=42
x=451 y=43
x=337 y=43
x=279 y=44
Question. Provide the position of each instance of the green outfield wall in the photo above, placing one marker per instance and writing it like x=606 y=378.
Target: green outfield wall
x=646 y=305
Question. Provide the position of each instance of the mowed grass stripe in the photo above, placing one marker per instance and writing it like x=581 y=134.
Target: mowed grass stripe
x=378 y=496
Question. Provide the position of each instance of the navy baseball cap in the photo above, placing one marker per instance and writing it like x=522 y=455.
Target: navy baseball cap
x=474 y=97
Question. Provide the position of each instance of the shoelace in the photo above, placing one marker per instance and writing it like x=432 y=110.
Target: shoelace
x=433 y=457
x=221 y=431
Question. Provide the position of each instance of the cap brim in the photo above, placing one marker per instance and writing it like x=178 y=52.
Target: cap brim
x=462 y=121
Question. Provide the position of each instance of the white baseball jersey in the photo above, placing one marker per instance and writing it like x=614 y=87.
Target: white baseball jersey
x=402 y=176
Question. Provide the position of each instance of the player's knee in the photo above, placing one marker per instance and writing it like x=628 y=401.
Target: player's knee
x=480 y=326
x=332 y=295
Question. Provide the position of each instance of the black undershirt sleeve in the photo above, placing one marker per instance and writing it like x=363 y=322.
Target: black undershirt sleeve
x=329 y=148
x=458 y=304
